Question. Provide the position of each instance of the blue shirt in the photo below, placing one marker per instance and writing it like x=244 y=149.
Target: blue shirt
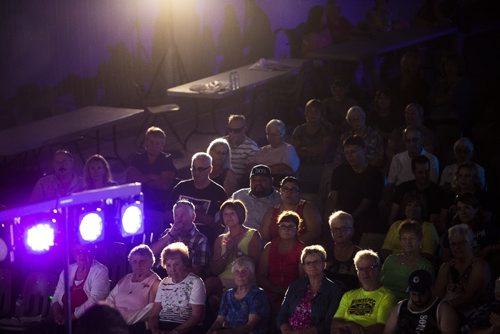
x=236 y=312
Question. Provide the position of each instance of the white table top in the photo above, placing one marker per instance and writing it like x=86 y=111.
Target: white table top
x=363 y=47
x=37 y=134
x=249 y=79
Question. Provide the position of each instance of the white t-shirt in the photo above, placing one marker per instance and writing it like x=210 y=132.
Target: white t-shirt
x=176 y=298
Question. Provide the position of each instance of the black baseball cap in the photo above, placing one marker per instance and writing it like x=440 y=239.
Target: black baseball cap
x=419 y=281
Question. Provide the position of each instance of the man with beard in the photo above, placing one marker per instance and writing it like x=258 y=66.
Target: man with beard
x=63 y=182
x=260 y=197
x=422 y=312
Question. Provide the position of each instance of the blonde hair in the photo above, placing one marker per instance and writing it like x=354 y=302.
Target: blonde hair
x=221 y=142
x=313 y=249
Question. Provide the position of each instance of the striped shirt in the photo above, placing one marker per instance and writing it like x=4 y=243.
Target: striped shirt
x=240 y=156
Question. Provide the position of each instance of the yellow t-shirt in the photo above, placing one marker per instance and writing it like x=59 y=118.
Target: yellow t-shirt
x=366 y=308
x=430 y=239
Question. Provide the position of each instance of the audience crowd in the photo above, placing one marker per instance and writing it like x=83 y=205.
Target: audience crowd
x=359 y=220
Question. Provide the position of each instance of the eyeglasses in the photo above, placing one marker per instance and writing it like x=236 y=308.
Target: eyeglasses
x=200 y=169
x=313 y=263
x=291 y=190
x=340 y=229
x=287 y=227
x=367 y=269
x=235 y=130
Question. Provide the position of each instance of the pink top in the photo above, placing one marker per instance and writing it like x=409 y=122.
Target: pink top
x=301 y=318
x=131 y=298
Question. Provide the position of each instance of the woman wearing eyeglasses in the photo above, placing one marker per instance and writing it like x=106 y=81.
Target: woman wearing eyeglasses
x=310 y=302
x=340 y=265
x=222 y=172
x=290 y=200
x=279 y=263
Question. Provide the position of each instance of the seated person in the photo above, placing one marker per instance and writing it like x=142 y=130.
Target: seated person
x=463 y=281
x=432 y=196
x=463 y=151
x=374 y=142
x=413 y=117
x=242 y=147
x=398 y=267
x=205 y=194
x=486 y=318
x=259 y=197
x=290 y=200
x=422 y=312
x=340 y=264
x=180 y=301
x=313 y=140
x=310 y=302
x=100 y=319
x=133 y=296
x=316 y=145
x=364 y=310
x=467 y=181
x=222 y=171
x=412 y=206
x=470 y=213
x=337 y=105
x=400 y=167
x=316 y=33
x=280 y=156
x=97 y=173
x=156 y=172
x=244 y=308
x=89 y=283
x=63 y=182
x=356 y=187
x=238 y=241
x=338 y=24
x=184 y=230
x=384 y=116
x=279 y=263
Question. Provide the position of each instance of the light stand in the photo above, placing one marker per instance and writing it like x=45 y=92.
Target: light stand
x=175 y=65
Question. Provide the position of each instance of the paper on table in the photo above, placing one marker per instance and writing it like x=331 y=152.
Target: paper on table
x=269 y=65
x=210 y=87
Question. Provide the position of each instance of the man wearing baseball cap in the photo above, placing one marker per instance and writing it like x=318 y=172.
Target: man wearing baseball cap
x=260 y=197
x=422 y=312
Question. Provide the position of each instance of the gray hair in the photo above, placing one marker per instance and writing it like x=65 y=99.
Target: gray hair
x=354 y=109
x=279 y=124
x=343 y=216
x=142 y=250
x=464 y=141
x=366 y=253
x=313 y=249
x=244 y=262
x=463 y=230
x=201 y=156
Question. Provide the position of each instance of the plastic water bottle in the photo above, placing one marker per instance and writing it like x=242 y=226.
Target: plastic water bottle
x=236 y=80
x=232 y=80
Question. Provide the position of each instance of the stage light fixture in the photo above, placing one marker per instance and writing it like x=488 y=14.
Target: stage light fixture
x=132 y=219
x=91 y=226
x=40 y=237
